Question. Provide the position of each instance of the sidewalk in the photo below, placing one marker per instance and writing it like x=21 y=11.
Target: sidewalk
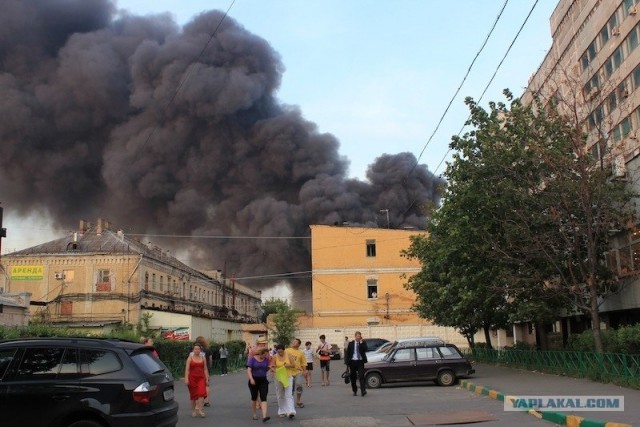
x=498 y=382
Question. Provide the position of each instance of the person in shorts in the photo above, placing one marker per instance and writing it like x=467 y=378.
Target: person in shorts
x=324 y=354
x=308 y=355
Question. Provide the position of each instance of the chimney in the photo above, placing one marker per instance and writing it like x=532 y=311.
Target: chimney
x=99 y=227
x=84 y=226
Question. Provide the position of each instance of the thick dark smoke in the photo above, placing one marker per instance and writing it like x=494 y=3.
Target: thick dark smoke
x=92 y=126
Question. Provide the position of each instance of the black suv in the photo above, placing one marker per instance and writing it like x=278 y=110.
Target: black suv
x=84 y=382
x=414 y=361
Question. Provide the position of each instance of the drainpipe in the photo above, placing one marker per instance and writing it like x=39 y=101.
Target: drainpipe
x=129 y=286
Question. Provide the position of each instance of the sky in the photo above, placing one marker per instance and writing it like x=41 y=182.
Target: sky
x=378 y=75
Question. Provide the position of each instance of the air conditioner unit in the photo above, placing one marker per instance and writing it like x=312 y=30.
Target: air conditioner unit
x=616 y=31
x=59 y=275
x=619 y=168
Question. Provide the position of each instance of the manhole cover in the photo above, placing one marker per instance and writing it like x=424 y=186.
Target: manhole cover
x=444 y=418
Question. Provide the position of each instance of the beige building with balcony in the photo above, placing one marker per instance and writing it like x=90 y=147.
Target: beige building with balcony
x=97 y=279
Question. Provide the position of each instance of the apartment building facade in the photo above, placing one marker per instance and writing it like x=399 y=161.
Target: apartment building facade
x=97 y=278
x=358 y=277
x=593 y=70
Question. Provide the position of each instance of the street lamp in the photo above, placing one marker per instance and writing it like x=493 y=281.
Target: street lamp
x=387 y=212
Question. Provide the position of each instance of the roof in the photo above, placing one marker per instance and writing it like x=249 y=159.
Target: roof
x=106 y=242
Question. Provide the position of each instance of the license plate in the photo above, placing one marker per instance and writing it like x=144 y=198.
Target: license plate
x=168 y=394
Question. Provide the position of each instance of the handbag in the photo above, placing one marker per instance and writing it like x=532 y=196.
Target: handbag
x=346 y=375
x=282 y=375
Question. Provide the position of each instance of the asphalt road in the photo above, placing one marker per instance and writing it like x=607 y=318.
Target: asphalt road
x=393 y=406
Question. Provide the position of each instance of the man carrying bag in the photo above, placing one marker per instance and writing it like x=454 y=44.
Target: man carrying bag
x=355 y=360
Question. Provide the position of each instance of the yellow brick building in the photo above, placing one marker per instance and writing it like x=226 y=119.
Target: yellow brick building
x=98 y=279
x=358 y=276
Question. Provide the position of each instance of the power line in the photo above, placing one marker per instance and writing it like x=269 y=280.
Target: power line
x=459 y=87
x=493 y=76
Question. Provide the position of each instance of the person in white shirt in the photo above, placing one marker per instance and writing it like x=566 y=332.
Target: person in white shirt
x=356 y=358
x=308 y=355
x=324 y=353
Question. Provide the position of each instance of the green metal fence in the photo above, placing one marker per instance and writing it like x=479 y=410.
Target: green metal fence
x=606 y=367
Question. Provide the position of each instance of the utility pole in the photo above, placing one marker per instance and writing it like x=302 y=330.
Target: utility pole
x=3 y=231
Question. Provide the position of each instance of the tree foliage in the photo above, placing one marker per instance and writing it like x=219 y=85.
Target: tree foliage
x=525 y=223
x=283 y=320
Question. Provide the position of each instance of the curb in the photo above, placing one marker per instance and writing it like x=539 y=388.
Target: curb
x=552 y=416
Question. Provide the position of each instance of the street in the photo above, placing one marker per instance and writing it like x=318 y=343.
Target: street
x=395 y=406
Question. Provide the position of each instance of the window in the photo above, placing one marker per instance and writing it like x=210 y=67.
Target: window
x=96 y=362
x=632 y=39
x=372 y=288
x=371 y=248
x=604 y=35
x=449 y=353
x=6 y=357
x=625 y=259
x=428 y=353
x=403 y=355
x=153 y=281
x=40 y=363
x=66 y=308
x=635 y=250
x=617 y=57
x=103 y=282
x=626 y=126
x=636 y=77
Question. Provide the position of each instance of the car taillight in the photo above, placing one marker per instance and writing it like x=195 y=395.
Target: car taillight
x=144 y=392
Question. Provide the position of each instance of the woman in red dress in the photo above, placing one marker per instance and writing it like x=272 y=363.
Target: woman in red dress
x=196 y=376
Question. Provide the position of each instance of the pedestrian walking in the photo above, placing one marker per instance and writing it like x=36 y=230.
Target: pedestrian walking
x=257 y=368
x=284 y=364
x=206 y=354
x=299 y=370
x=308 y=355
x=324 y=354
x=224 y=354
x=356 y=358
x=196 y=377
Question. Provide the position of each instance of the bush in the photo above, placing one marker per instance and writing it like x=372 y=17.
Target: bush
x=624 y=340
x=521 y=345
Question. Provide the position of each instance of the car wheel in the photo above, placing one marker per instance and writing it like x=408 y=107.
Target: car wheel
x=446 y=378
x=85 y=423
x=374 y=380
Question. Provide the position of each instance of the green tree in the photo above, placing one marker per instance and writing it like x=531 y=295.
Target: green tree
x=284 y=320
x=538 y=211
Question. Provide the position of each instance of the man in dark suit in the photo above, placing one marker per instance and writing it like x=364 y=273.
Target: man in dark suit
x=356 y=357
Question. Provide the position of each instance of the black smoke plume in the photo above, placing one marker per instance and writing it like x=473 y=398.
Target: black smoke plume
x=93 y=125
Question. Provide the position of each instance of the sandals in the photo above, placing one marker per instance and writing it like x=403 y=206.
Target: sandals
x=300 y=405
x=254 y=417
x=265 y=419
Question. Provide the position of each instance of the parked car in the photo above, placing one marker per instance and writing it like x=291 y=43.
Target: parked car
x=419 y=361
x=335 y=352
x=374 y=343
x=379 y=354
x=84 y=382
